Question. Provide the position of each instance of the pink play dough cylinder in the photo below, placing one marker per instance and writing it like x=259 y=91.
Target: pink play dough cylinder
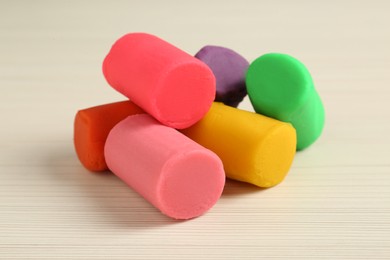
x=178 y=176
x=168 y=83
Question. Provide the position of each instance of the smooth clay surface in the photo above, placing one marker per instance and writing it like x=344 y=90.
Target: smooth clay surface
x=178 y=176
x=254 y=148
x=91 y=128
x=281 y=87
x=229 y=69
x=168 y=83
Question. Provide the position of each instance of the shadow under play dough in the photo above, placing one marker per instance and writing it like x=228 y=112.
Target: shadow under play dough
x=281 y=87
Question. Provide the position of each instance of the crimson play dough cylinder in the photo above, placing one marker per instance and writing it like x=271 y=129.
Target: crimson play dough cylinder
x=178 y=176
x=91 y=128
x=168 y=83
x=253 y=148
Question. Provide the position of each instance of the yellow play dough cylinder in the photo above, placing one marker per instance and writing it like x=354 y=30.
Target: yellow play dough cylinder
x=253 y=148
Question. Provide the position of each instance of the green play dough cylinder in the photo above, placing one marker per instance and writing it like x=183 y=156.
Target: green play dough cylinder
x=281 y=87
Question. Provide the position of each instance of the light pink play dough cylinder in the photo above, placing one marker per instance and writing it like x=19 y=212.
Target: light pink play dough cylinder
x=178 y=176
x=168 y=83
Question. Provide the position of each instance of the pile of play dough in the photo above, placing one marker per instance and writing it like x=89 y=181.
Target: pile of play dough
x=180 y=134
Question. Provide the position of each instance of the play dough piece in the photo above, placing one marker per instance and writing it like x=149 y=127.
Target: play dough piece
x=281 y=87
x=178 y=176
x=229 y=69
x=253 y=148
x=91 y=128
x=168 y=83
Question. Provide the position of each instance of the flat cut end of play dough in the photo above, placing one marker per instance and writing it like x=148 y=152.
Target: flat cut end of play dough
x=275 y=155
x=253 y=148
x=277 y=84
x=281 y=87
x=178 y=176
x=178 y=108
x=193 y=183
x=168 y=83
x=229 y=69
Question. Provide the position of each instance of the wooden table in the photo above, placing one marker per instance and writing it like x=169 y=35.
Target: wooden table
x=334 y=204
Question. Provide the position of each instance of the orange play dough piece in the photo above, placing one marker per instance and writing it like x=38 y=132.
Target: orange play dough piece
x=91 y=128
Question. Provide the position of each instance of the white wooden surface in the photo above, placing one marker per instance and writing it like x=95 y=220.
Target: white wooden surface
x=334 y=204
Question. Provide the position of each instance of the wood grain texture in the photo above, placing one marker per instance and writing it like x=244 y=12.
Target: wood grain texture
x=334 y=204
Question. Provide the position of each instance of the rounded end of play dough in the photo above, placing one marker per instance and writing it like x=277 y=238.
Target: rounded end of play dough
x=277 y=84
x=229 y=69
x=193 y=182
x=111 y=72
x=91 y=128
x=186 y=94
x=88 y=151
x=124 y=65
x=275 y=155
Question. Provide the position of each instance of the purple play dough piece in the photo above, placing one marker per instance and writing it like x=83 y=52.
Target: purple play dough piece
x=229 y=69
